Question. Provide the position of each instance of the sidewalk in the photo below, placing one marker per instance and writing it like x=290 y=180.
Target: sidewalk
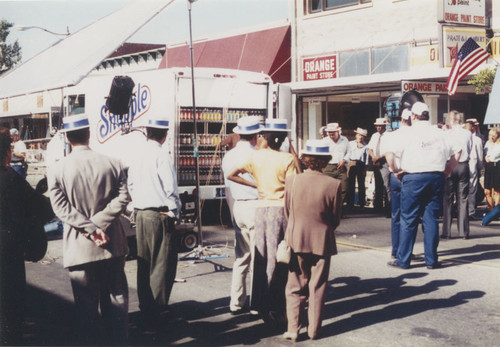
x=367 y=304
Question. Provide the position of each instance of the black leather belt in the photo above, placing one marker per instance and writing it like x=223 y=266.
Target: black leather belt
x=156 y=209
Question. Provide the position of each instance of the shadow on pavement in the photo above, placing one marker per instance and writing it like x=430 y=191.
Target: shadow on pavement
x=383 y=291
x=472 y=254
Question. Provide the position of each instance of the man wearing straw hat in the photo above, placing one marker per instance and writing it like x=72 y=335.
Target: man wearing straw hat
x=380 y=169
x=241 y=200
x=88 y=192
x=340 y=152
x=155 y=196
x=357 y=168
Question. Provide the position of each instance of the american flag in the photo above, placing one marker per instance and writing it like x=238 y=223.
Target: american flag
x=468 y=58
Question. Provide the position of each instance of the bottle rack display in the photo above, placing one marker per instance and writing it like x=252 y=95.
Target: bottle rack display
x=212 y=126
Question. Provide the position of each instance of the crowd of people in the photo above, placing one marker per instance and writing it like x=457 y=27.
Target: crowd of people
x=421 y=171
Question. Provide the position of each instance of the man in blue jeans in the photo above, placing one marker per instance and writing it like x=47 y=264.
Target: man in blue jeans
x=426 y=160
x=390 y=143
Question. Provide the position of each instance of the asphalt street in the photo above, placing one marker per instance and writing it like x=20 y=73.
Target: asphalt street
x=368 y=303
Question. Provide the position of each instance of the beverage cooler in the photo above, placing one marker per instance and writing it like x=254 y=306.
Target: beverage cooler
x=214 y=124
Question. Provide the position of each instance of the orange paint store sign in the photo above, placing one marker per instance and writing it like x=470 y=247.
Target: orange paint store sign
x=321 y=68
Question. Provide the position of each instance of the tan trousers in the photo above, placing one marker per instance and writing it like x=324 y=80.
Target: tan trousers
x=244 y=222
x=308 y=273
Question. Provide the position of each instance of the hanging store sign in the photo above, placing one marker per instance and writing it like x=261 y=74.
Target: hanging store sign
x=495 y=47
x=424 y=87
x=470 y=12
x=424 y=56
x=454 y=38
x=320 y=68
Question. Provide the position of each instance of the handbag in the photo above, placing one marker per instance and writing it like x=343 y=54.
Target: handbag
x=283 y=253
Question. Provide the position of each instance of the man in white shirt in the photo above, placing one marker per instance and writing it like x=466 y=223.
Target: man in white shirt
x=340 y=152
x=475 y=166
x=357 y=168
x=380 y=169
x=426 y=159
x=241 y=200
x=390 y=144
x=457 y=185
x=153 y=187
x=18 y=153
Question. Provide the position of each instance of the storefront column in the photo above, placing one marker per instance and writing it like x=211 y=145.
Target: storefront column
x=432 y=102
x=314 y=120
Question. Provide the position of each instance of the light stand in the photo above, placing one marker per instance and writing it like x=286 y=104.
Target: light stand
x=200 y=252
x=195 y=144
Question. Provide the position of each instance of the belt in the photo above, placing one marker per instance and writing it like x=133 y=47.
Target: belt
x=17 y=163
x=421 y=173
x=155 y=209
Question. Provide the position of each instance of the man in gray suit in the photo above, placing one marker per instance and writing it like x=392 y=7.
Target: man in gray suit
x=88 y=192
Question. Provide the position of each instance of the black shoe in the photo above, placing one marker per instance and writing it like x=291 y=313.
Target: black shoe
x=434 y=266
x=394 y=263
x=416 y=258
x=447 y=237
x=239 y=311
x=465 y=237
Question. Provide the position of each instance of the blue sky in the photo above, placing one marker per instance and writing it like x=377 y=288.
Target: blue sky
x=171 y=26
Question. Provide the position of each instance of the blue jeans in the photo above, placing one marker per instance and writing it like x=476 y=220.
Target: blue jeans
x=421 y=195
x=395 y=184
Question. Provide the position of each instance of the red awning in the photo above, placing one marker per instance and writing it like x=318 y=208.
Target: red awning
x=266 y=51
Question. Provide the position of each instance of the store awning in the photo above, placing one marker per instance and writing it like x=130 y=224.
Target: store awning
x=370 y=83
x=266 y=51
x=68 y=61
x=493 y=111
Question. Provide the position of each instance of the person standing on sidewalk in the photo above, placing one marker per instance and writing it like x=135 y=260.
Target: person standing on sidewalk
x=390 y=145
x=341 y=154
x=155 y=197
x=269 y=167
x=426 y=161
x=88 y=192
x=18 y=161
x=313 y=208
x=457 y=185
x=23 y=212
x=475 y=166
x=356 y=170
x=492 y=168
x=242 y=200
x=380 y=168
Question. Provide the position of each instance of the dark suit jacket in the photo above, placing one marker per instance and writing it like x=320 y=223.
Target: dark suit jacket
x=313 y=207
x=88 y=191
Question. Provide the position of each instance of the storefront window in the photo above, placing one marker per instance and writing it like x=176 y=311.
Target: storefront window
x=390 y=59
x=355 y=63
x=339 y=3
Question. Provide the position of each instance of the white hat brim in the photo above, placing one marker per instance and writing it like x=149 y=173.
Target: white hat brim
x=248 y=132
x=314 y=153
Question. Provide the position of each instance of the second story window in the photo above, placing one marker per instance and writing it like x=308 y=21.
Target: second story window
x=324 y=5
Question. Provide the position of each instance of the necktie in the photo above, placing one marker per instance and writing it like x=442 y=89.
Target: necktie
x=377 y=150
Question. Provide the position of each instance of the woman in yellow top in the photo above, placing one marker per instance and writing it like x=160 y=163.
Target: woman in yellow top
x=269 y=167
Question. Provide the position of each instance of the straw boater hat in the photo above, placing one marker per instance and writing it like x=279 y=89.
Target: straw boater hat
x=331 y=127
x=380 y=121
x=418 y=108
x=361 y=131
x=473 y=120
x=316 y=147
x=75 y=122
x=158 y=123
x=276 y=124
x=248 y=126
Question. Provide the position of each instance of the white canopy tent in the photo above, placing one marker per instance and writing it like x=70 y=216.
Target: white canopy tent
x=70 y=60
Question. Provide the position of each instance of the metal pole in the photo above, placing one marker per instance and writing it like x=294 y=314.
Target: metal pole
x=195 y=148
